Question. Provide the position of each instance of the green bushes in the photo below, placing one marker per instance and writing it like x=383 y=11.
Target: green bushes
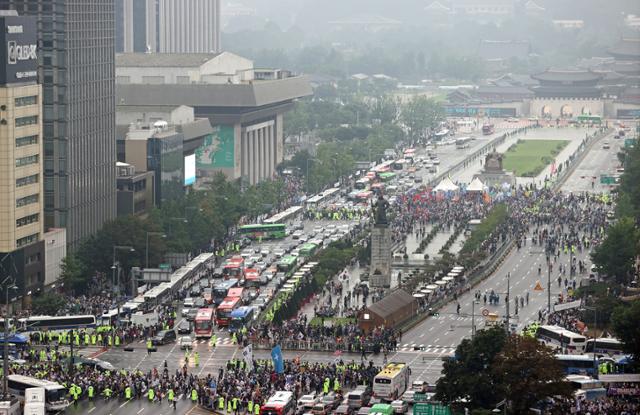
x=497 y=216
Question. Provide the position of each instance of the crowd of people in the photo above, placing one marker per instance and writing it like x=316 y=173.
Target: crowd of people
x=610 y=405
x=347 y=337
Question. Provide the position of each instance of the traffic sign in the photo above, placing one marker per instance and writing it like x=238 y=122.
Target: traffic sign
x=164 y=266
x=485 y=312
x=538 y=286
x=430 y=409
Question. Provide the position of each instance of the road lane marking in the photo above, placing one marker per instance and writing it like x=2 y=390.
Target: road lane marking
x=91 y=410
x=125 y=402
x=140 y=410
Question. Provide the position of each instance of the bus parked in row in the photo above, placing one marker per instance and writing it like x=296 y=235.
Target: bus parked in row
x=241 y=317
x=204 y=322
x=55 y=399
x=391 y=382
x=488 y=129
x=224 y=310
x=463 y=142
x=280 y=403
x=562 y=339
x=221 y=290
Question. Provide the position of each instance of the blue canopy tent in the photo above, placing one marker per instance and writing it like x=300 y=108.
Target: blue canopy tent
x=14 y=338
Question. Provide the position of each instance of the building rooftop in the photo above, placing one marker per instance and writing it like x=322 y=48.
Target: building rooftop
x=254 y=94
x=626 y=48
x=390 y=304
x=166 y=60
x=555 y=75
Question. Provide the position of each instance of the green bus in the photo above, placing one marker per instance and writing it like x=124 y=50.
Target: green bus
x=381 y=408
x=586 y=118
x=385 y=177
x=287 y=264
x=257 y=231
x=307 y=250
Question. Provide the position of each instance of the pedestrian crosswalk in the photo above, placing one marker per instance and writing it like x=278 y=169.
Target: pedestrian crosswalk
x=425 y=348
x=226 y=341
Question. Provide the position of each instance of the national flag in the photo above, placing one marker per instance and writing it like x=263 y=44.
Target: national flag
x=278 y=361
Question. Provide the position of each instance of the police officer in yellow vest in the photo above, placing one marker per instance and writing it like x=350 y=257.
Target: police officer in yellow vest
x=194 y=395
x=220 y=403
x=196 y=358
x=151 y=394
x=149 y=346
x=256 y=409
x=171 y=398
x=127 y=393
x=91 y=392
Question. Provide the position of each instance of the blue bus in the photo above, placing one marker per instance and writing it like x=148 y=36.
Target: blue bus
x=221 y=290
x=578 y=364
x=241 y=317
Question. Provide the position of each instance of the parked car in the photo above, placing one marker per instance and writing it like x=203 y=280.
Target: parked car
x=90 y=362
x=191 y=314
x=419 y=386
x=359 y=397
x=408 y=396
x=164 y=337
x=364 y=410
x=306 y=403
x=400 y=407
x=343 y=410
x=184 y=327
x=320 y=409
x=185 y=343
x=332 y=400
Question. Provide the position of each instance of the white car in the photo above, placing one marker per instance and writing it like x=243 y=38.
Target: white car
x=408 y=396
x=400 y=407
x=307 y=401
x=185 y=343
x=436 y=161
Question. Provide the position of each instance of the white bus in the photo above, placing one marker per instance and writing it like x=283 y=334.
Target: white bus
x=561 y=339
x=54 y=393
x=605 y=345
x=463 y=142
x=391 y=382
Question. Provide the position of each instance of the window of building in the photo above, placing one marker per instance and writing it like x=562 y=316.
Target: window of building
x=25 y=181
x=27 y=240
x=27 y=220
x=153 y=80
x=32 y=259
x=26 y=161
x=26 y=141
x=24 y=121
x=27 y=200
x=24 y=101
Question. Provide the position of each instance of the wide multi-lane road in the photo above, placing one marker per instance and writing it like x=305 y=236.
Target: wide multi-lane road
x=436 y=334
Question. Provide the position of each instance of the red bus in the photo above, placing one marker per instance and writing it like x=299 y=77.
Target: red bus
x=239 y=292
x=252 y=277
x=204 y=323
x=223 y=312
x=488 y=129
x=280 y=403
x=234 y=268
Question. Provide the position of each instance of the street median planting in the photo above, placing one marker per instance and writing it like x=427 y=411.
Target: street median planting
x=527 y=158
x=497 y=216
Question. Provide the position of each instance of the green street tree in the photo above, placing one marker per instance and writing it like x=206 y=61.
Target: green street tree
x=468 y=374
x=48 y=304
x=528 y=372
x=615 y=256
x=421 y=116
x=73 y=275
x=624 y=321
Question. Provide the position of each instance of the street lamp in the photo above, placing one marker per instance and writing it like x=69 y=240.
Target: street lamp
x=146 y=261
x=473 y=317
x=8 y=284
x=115 y=265
x=308 y=160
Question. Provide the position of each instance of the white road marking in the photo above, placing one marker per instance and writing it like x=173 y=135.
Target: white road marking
x=91 y=410
x=140 y=410
x=125 y=402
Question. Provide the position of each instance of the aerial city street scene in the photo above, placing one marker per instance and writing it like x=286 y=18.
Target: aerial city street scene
x=304 y=207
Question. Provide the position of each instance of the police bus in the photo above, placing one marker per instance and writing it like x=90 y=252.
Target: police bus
x=605 y=346
x=559 y=338
x=391 y=382
x=54 y=393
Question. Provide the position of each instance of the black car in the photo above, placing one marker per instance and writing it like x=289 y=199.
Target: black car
x=184 y=327
x=164 y=337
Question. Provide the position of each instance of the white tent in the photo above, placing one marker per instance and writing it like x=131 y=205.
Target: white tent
x=476 y=185
x=446 y=185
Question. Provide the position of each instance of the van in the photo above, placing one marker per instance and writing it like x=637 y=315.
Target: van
x=164 y=337
x=359 y=398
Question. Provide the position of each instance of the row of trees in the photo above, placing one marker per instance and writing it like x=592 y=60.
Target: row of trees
x=492 y=366
x=185 y=225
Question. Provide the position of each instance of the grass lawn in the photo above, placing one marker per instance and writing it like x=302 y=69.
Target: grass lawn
x=527 y=158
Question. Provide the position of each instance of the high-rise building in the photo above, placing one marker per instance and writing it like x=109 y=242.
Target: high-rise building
x=76 y=39
x=21 y=223
x=168 y=26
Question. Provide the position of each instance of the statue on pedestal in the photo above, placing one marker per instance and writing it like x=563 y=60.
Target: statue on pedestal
x=380 y=211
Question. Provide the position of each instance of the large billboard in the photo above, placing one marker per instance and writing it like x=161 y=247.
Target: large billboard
x=18 y=49
x=218 y=149
x=190 y=170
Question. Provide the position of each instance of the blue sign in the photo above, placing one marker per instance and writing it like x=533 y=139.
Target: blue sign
x=278 y=361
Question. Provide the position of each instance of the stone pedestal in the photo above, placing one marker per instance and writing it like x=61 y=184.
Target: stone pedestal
x=380 y=275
